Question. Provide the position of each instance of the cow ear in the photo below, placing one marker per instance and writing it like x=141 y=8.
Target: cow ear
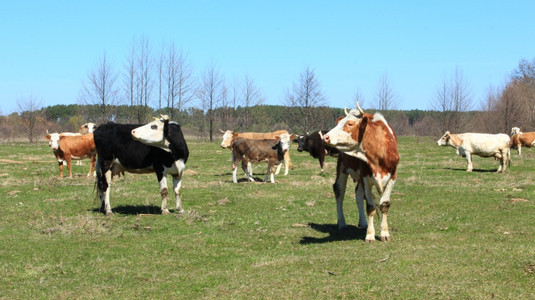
x=338 y=119
x=293 y=136
x=47 y=136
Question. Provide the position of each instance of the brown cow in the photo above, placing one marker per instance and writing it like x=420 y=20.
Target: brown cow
x=370 y=139
x=67 y=147
x=519 y=139
x=266 y=150
x=229 y=136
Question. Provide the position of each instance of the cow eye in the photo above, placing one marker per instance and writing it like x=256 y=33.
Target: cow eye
x=153 y=127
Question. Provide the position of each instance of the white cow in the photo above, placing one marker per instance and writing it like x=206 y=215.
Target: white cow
x=480 y=144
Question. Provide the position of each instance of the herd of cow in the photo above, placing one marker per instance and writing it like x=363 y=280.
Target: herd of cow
x=365 y=146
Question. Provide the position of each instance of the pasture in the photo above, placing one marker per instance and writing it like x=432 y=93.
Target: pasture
x=454 y=234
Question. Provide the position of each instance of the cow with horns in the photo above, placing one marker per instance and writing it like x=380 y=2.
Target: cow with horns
x=370 y=156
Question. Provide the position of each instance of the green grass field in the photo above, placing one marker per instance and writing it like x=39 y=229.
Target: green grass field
x=454 y=234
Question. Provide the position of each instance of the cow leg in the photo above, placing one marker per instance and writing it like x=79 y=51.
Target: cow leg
x=279 y=169
x=519 y=149
x=105 y=196
x=69 y=166
x=287 y=162
x=270 y=172
x=164 y=192
x=92 y=165
x=469 y=160
x=177 y=184
x=339 y=188
x=384 y=205
x=370 y=208
x=60 y=163
x=322 y=160
x=359 y=197
x=250 y=168
x=244 y=167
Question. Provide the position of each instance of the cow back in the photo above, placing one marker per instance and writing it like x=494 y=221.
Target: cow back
x=77 y=145
x=255 y=149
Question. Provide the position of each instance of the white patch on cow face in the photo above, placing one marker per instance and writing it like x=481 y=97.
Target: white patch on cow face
x=515 y=130
x=285 y=142
x=151 y=133
x=53 y=140
x=227 y=139
x=341 y=139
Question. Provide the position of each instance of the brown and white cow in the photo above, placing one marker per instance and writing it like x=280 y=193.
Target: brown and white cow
x=372 y=145
x=87 y=128
x=229 y=136
x=480 y=144
x=68 y=146
x=246 y=150
x=521 y=139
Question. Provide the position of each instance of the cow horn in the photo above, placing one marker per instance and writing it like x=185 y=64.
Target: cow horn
x=359 y=108
x=47 y=132
x=164 y=117
x=221 y=130
x=345 y=110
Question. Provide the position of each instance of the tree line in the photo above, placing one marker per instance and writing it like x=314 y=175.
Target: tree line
x=163 y=82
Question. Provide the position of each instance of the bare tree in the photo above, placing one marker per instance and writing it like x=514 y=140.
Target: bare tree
x=251 y=96
x=31 y=116
x=180 y=86
x=386 y=99
x=452 y=99
x=210 y=93
x=305 y=101
x=130 y=80
x=100 y=89
x=144 y=84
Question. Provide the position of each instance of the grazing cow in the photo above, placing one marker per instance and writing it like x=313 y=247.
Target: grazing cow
x=67 y=146
x=87 y=128
x=519 y=139
x=266 y=150
x=229 y=136
x=313 y=144
x=480 y=144
x=157 y=147
x=372 y=141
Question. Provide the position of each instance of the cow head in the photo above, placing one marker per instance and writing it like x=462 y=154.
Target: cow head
x=53 y=140
x=284 y=141
x=227 y=138
x=515 y=130
x=154 y=133
x=444 y=140
x=344 y=136
x=87 y=128
x=300 y=140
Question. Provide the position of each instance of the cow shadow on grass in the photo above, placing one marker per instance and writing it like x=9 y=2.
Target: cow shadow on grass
x=334 y=234
x=134 y=210
x=473 y=170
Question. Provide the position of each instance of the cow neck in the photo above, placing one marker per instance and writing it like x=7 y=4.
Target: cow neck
x=455 y=140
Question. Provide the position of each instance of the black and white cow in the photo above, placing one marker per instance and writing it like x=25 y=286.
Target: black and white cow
x=314 y=144
x=157 y=147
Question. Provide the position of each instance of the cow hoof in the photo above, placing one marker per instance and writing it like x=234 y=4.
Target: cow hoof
x=180 y=210
x=165 y=212
x=370 y=240
x=385 y=238
x=109 y=214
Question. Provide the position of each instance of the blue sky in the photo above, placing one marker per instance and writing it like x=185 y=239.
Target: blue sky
x=49 y=47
